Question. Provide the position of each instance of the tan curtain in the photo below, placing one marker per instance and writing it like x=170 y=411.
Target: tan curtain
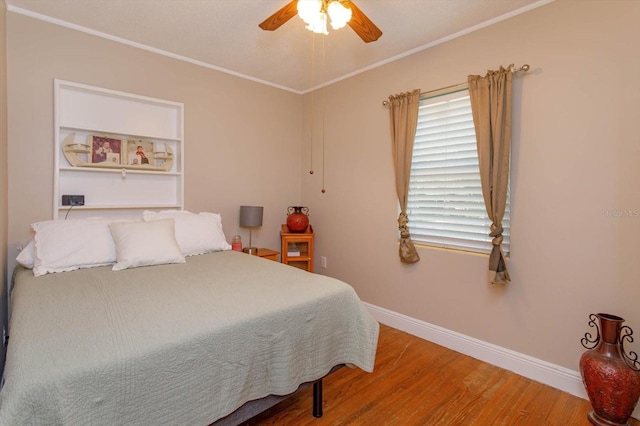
x=403 y=113
x=491 y=109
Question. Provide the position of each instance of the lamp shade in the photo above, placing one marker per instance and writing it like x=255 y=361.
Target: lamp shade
x=250 y=216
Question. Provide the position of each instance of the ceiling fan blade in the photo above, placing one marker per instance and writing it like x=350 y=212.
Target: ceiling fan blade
x=274 y=21
x=362 y=25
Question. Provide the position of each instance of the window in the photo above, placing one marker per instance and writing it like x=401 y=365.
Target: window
x=445 y=205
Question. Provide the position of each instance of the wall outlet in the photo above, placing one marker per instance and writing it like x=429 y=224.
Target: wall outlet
x=323 y=261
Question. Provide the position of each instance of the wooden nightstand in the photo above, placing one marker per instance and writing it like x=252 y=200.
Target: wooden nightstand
x=268 y=254
x=303 y=242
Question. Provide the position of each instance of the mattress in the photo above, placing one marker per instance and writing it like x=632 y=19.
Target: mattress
x=174 y=344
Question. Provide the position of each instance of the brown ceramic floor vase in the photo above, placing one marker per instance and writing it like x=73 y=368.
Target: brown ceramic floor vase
x=610 y=376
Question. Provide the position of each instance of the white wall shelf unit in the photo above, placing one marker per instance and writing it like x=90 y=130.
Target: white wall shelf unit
x=82 y=111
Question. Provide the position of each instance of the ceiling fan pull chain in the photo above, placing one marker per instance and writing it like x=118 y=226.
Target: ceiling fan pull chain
x=324 y=85
x=313 y=82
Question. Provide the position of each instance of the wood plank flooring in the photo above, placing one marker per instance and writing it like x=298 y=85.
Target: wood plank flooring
x=416 y=382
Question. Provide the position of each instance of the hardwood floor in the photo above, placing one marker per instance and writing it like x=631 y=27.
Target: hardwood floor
x=416 y=382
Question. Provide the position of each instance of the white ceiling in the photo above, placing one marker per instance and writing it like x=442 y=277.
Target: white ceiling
x=224 y=34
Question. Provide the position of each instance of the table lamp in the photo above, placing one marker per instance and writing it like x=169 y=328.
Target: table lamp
x=250 y=217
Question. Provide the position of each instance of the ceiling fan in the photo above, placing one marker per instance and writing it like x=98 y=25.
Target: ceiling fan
x=359 y=22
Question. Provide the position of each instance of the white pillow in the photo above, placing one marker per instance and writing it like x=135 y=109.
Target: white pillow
x=27 y=255
x=67 y=245
x=195 y=233
x=145 y=243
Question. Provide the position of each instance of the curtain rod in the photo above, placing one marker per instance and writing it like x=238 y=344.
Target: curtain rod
x=513 y=70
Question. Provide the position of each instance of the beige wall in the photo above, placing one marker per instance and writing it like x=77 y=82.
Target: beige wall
x=576 y=155
x=3 y=170
x=242 y=139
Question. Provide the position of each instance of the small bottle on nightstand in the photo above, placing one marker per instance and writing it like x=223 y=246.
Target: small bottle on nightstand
x=236 y=243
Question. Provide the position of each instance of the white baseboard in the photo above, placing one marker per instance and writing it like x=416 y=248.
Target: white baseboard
x=544 y=372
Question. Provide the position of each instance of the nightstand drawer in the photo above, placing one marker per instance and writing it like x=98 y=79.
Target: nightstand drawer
x=266 y=253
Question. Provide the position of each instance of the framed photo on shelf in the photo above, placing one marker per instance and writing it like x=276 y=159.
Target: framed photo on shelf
x=140 y=153
x=105 y=150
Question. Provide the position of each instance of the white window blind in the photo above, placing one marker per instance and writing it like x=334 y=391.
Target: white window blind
x=445 y=204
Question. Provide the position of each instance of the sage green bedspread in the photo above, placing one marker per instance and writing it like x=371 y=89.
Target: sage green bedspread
x=182 y=344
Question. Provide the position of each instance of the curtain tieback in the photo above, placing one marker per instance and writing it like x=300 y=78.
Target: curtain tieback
x=496 y=233
x=403 y=220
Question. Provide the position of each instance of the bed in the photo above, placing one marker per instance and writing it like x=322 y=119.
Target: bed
x=187 y=342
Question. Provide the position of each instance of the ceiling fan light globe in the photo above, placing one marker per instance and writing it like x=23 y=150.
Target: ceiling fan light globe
x=339 y=14
x=308 y=10
x=319 y=24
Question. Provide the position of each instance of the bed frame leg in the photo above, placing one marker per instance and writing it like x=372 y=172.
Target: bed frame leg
x=317 y=398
